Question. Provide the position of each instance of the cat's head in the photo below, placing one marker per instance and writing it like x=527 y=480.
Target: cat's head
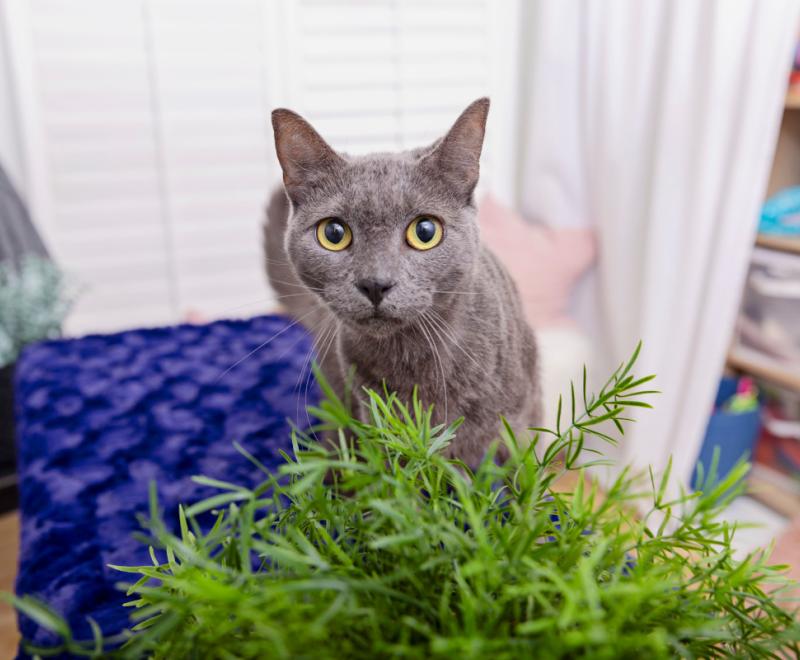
x=384 y=238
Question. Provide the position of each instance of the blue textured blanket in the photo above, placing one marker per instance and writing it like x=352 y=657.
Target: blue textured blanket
x=100 y=417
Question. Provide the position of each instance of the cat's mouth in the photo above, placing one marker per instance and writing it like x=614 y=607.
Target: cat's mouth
x=377 y=315
x=379 y=319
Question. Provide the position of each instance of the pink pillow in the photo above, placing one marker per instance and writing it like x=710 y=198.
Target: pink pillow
x=545 y=262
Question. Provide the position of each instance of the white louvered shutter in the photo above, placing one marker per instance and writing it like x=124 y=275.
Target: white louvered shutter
x=99 y=199
x=147 y=134
x=212 y=117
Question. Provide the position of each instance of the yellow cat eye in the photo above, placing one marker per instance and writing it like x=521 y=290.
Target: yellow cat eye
x=333 y=234
x=424 y=233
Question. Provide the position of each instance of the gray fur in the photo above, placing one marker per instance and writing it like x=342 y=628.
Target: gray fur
x=452 y=324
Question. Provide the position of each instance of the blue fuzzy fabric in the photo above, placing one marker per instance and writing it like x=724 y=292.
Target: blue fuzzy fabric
x=99 y=418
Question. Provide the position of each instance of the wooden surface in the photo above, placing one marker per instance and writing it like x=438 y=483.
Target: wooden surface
x=781 y=243
x=786 y=164
x=792 y=99
x=745 y=360
x=9 y=552
x=778 y=491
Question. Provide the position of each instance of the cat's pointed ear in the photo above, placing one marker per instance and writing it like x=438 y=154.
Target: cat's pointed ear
x=456 y=157
x=302 y=152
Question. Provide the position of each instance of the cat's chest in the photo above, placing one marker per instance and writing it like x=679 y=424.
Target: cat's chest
x=414 y=361
x=402 y=366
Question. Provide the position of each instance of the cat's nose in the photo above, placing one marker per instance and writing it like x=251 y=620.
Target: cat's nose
x=374 y=289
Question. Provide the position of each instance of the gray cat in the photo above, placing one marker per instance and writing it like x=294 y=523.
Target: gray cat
x=380 y=255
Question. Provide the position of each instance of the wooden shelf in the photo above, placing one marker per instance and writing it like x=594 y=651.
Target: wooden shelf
x=792 y=99
x=778 y=491
x=782 y=243
x=751 y=362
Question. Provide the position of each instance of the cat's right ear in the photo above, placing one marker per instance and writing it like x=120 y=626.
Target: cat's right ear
x=302 y=153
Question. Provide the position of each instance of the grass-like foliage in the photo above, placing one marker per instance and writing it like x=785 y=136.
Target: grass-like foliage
x=382 y=547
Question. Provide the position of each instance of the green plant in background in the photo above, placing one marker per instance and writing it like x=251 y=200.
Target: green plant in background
x=34 y=300
x=384 y=548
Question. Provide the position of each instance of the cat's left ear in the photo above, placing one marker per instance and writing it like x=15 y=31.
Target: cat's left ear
x=456 y=157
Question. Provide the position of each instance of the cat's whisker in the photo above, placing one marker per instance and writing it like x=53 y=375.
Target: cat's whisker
x=321 y=355
x=428 y=342
x=290 y=295
x=333 y=334
x=438 y=333
x=444 y=376
x=299 y=380
x=309 y=354
x=426 y=329
x=273 y=260
x=265 y=299
x=320 y=340
x=248 y=304
x=262 y=345
x=444 y=325
x=291 y=347
x=462 y=293
x=449 y=332
x=320 y=336
x=296 y=285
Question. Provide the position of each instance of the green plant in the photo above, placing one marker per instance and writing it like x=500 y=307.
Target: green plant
x=33 y=302
x=381 y=547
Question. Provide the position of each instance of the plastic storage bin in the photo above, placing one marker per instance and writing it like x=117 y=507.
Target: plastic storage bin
x=735 y=433
x=770 y=320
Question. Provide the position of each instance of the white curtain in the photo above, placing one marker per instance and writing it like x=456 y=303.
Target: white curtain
x=10 y=151
x=655 y=122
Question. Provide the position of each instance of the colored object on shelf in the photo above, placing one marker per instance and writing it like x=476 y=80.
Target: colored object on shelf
x=734 y=432
x=780 y=214
x=745 y=399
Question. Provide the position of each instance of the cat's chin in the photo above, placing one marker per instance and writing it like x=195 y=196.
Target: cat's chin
x=378 y=323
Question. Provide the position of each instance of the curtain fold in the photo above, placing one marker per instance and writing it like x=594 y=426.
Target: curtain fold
x=656 y=123
x=18 y=235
